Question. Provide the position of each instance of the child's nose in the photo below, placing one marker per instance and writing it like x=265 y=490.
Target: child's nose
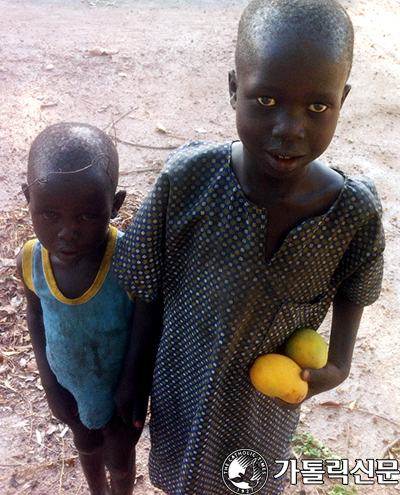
x=289 y=126
x=68 y=232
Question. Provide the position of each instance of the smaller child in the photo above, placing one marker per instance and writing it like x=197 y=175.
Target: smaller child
x=79 y=318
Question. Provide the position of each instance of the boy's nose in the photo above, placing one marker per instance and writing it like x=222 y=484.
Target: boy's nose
x=289 y=127
x=68 y=233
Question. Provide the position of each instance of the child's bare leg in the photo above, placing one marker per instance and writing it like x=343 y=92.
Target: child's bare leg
x=119 y=455
x=89 y=444
x=94 y=470
x=123 y=477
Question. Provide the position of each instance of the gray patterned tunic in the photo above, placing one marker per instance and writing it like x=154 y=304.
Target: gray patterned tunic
x=202 y=241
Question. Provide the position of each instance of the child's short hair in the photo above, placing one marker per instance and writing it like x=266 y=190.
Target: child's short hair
x=324 y=20
x=69 y=147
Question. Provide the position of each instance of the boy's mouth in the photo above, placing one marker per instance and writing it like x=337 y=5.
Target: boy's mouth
x=285 y=155
x=67 y=253
x=282 y=161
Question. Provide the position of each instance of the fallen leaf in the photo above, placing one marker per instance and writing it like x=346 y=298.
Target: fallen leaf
x=49 y=103
x=21 y=424
x=161 y=128
x=38 y=437
x=51 y=430
x=13 y=482
x=10 y=353
x=16 y=301
x=352 y=405
x=98 y=51
x=8 y=385
x=27 y=485
x=32 y=368
x=64 y=431
x=103 y=108
x=7 y=261
x=10 y=310
x=330 y=403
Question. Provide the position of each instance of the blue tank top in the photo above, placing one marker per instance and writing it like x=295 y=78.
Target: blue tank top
x=86 y=338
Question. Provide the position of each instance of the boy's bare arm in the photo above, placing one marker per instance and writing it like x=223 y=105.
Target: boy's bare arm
x=346 y=319
x=61 y=401
x=133 y=391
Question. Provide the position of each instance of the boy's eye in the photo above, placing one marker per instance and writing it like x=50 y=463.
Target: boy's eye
x=88 y=216
x=49 y=215
x=318 y=107
x=266 y=101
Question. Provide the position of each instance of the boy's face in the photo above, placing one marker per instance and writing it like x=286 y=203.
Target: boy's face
x=71 y=216
x=287 y=106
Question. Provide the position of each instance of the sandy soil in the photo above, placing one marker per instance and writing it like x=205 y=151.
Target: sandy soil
x=154 y=75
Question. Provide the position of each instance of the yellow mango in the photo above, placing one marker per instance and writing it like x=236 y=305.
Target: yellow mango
x=307 y=348
x=278 y=376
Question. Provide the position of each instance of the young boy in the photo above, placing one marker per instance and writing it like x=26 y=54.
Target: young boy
x=79 y=318
x=250 y=240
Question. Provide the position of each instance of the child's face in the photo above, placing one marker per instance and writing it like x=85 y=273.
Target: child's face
x=287 y=106
x=71 y=216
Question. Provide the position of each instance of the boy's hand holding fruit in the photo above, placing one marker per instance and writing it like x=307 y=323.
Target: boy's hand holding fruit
x=285 y=377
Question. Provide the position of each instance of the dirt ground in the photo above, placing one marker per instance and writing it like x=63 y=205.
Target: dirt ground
x=154 y=75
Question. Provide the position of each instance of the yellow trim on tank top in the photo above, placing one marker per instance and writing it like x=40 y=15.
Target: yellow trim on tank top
x=27 y=264
x=98 y=281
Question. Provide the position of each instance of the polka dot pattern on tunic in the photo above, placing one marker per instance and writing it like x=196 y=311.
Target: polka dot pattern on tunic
x=202 y=241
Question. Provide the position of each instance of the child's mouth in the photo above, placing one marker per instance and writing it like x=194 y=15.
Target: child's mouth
x=283 y=162
x=67 y=254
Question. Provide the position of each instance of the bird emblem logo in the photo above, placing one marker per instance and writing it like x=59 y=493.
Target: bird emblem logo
x=245 y=471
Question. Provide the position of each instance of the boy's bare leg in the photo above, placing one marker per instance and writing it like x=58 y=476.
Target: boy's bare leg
x=90 y=446
x=123 y=480
x=94 y=470
x=119 y=455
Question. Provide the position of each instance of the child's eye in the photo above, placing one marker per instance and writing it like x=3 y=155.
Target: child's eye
x=318 y=107
x=88 y=216
x=266 y=101
x=49 y=215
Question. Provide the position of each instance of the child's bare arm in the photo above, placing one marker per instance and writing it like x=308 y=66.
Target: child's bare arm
x=345 y=322
x=133 y=391
x=346 y=319
x=61 y=401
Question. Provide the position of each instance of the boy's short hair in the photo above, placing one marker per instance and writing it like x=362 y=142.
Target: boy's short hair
x=324 y=20
x=69 y=147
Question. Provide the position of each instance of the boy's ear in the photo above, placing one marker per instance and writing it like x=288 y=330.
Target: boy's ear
x=233 y=88
x=118 y=200
x=25 y=190
x=346 y=91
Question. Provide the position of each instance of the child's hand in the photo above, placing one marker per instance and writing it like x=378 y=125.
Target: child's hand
x=326 y=378
x=133 y=391
x=62 y=403
x=345 y=322
x=131 y=404
x=288 y=405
